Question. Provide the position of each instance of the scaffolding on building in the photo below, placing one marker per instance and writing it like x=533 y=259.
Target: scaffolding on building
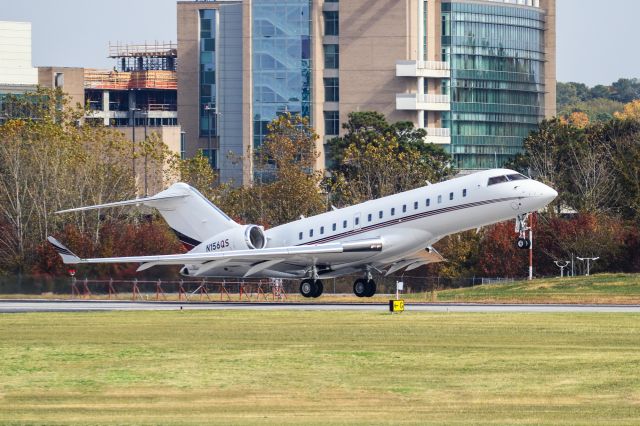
x=116 y=80
x=155 y=56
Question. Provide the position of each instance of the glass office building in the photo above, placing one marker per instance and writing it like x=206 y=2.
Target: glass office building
x=497 y=86
x=281 y=54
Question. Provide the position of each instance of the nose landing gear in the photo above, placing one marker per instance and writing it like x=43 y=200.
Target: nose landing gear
x=522 y=242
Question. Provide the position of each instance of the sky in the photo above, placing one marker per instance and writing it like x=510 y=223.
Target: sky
x=596 y=39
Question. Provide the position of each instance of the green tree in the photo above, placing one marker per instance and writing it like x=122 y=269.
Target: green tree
x=374 y=159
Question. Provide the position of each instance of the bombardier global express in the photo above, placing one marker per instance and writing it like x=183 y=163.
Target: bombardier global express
x=385 y=235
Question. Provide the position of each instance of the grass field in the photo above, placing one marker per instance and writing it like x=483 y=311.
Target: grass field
x=230 y=367
x=603 y=288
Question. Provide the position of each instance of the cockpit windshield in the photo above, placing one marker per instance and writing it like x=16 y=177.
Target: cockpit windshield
x=508 y=178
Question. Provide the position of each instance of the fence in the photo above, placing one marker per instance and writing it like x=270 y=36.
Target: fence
x=204 y=289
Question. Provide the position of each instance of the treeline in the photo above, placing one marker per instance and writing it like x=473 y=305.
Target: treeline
x=600 y=102
x=49 y=162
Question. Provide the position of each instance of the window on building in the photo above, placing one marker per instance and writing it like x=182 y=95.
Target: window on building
x=332 y=89
x=331 y=56
x=212 y=156
x=331 y=23
x=331 y=123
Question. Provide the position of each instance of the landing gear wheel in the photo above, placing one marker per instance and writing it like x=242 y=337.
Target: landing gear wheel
x=308 y=288
x=319 y=288
x=371 y=288
x=360 y=287
x=523 y=243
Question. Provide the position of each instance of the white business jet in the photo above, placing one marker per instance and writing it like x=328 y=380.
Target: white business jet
x=385 y=235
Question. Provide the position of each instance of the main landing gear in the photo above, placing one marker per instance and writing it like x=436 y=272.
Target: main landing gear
x=311 y=287
x=522 y=242
x=364 y=287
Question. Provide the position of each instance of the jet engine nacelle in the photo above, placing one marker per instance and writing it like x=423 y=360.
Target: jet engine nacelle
x=246 y=237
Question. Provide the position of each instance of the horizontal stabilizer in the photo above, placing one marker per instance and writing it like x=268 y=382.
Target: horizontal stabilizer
x=137 y=201
x=68 y=257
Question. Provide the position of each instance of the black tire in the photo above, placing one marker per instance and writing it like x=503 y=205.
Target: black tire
x=371 y=288
x=307 y=288
x=528 y=244
x=319 y=288
x=360 y=287
x=522 y=243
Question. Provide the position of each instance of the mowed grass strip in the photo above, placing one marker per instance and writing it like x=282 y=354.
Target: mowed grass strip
x=239 y=367
x=599 y=289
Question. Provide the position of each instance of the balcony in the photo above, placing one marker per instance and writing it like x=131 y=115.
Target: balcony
x=438 y=136
x=415 y=102
x=429 y=69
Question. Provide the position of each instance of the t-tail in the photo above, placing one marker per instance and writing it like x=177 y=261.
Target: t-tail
x=192 y=217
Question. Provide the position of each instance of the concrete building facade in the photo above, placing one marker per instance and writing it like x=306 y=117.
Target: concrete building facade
x=477 y=75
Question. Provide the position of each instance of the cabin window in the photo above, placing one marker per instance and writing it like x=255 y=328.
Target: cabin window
x=300 y=236
x=439 y=199
x=311 y=232
x=428 y=202
x=344 y=224
x=404 y=208
x=393 y=211
x=369 y=217
x=321 y=230
x=415 y=205
x=380 y=214
x=357 y=221
x=497 y=179
x=451 y=195
x=334 y=227
x=464 y=192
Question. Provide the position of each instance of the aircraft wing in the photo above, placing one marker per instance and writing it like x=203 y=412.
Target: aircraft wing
x=259 y=258
x=420 y=258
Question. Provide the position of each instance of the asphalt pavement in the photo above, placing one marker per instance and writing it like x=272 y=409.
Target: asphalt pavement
x=17 y=306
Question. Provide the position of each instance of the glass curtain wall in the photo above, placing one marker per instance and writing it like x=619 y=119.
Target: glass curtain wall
x=281 y=61
x=208 y=24
x=496 y=55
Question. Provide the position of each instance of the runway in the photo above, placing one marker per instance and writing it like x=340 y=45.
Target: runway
x=23 y=306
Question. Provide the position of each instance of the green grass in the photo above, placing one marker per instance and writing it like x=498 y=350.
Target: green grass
x=194 y=367
x=603 y=288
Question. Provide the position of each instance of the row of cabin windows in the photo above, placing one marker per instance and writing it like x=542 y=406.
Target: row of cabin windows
x=345 y=223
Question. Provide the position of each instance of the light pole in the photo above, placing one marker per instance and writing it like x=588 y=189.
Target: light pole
x=561 y=264
x=589 y=260
x=146 y=149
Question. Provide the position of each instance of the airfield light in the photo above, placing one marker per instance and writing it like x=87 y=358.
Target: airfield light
x=589 y=260
x=561 y=264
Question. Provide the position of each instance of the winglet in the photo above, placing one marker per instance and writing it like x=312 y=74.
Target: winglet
x=67 y=255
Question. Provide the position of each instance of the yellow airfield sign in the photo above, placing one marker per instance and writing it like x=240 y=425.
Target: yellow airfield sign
x=396 y=305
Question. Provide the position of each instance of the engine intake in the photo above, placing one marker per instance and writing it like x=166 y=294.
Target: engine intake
x=254 y=236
